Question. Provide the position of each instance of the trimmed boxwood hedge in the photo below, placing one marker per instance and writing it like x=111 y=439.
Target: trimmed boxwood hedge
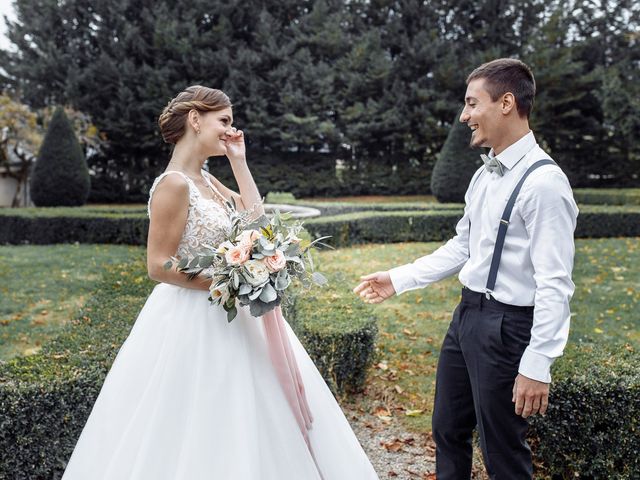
x=592 y=426
x=607 y=196
x=386 y=227
x=45 y=399
x=43 y=226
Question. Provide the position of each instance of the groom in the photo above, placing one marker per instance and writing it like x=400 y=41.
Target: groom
x=514 y=254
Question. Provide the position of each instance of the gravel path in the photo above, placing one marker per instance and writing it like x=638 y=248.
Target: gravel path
x=395 y=453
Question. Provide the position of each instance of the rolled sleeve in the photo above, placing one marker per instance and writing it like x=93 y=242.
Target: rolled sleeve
x=549 y=212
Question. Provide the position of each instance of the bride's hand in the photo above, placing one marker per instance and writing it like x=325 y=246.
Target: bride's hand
x=375 y=288
x=236 y=150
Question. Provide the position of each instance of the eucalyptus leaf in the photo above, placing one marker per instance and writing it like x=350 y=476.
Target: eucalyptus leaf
x=268 y=294
x=255 y=294
x=231 y=314
x=259 y=308
x=318 y=278
x=168 y=264
x=183 y=263
x=245 y=289
x=282 y=280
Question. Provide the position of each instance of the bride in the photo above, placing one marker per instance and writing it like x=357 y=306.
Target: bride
x=191 y=396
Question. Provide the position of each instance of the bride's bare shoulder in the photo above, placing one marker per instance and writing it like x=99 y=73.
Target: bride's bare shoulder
x=170 y=194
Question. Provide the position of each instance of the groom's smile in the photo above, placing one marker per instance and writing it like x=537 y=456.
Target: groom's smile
x=479 y=113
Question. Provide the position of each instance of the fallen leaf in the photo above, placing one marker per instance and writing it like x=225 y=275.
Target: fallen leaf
x=413 y=413
x=394 y=445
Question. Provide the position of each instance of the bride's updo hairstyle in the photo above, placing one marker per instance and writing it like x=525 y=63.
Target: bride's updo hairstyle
x=173 y=118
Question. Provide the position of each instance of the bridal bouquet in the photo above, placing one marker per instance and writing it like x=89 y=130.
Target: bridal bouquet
x=255 y=265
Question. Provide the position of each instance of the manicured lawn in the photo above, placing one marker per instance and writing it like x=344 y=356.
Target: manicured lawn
x=42 y=287
x=605 y=310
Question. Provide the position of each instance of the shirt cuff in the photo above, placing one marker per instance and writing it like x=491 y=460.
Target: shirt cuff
x=535 y=366
x=402 y=278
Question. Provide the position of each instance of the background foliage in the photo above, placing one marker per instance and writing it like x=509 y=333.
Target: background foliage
x=370 y=87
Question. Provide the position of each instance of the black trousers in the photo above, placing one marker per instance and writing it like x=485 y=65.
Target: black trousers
x=474 y=385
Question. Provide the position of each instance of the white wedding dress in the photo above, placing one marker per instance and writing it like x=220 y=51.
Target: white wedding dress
x=193 y=397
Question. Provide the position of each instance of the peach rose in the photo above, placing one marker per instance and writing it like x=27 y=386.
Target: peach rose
x=238 y=254
x=247 y=237
x=276 y=262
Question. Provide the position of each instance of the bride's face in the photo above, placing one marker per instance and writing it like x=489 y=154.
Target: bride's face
x=214 y=127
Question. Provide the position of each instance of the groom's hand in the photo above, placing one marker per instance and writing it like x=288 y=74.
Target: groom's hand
x=375 y=288
x=530 y=396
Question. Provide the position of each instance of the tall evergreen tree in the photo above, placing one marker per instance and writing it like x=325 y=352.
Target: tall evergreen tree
x=456 y=164
x=60 y=176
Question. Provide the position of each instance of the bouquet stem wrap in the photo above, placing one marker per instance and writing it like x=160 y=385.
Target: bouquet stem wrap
x=287 y=369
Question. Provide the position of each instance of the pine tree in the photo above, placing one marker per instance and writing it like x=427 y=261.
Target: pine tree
x=60 y=176
x=456 y=164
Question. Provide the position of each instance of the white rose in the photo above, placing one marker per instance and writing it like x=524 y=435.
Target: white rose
x=258 y=272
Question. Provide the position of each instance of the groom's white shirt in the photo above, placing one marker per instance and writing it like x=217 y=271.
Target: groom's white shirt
x=537 y=259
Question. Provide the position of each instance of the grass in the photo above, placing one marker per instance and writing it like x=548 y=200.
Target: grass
x=605 y=311
x=42 y=287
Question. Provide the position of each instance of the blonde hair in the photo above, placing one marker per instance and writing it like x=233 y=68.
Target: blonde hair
x=172 y=120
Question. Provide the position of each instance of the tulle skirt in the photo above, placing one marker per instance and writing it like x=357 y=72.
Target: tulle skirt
x=193 y=397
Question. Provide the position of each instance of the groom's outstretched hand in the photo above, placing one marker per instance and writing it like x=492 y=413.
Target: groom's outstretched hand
x=375 y=288
x=530 y=396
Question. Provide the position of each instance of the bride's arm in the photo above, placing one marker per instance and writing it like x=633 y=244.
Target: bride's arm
x=249 y=197
x=169 y=210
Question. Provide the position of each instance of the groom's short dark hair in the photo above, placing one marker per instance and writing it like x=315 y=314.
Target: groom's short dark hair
x=508 y=75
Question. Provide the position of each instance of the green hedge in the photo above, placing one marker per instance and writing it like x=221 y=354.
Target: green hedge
x=592 y=426
x=607 y=196
x=385 y=227
x=434 y=224
x=45 y=399
x=339 y=332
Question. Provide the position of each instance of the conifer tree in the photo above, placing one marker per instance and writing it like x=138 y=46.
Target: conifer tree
x=60 y=176
x=456 y=165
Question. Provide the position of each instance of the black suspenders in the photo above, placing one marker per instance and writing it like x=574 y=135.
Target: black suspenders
x=504 y=224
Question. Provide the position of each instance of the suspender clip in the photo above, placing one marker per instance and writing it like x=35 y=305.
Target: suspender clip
x=506 y=222
x=488 y=293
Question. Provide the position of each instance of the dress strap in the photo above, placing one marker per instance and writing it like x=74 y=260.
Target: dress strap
x=159 y=179
x=221 y=197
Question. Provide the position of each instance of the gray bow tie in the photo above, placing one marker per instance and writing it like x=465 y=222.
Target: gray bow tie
x=492 y=164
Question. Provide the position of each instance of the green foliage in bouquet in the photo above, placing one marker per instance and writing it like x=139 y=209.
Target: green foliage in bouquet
x=255 y=265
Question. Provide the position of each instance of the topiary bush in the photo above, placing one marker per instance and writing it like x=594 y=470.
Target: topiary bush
x=456 y=164
x=60 y=175
x=592 y=426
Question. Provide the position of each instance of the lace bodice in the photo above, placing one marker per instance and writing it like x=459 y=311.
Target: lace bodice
x=208 y=221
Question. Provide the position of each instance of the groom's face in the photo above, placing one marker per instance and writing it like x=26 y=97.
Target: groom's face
x=481 y=114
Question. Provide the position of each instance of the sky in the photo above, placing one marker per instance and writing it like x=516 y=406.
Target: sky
x=6 y=9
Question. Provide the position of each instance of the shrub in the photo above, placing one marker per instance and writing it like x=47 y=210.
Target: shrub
x=607 y=196
x=592 y=426
x=45 y=399
x=45 y=226
x=60 y=176
x=456 y=164
x=339 y=333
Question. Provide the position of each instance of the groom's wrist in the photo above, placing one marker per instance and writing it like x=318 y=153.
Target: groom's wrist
x=402 y=278
x=535 y=366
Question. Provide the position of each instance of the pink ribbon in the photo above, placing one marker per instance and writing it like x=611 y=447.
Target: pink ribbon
x=284 y=362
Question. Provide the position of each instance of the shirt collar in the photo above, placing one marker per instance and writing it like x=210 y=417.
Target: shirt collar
x=516 y=151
